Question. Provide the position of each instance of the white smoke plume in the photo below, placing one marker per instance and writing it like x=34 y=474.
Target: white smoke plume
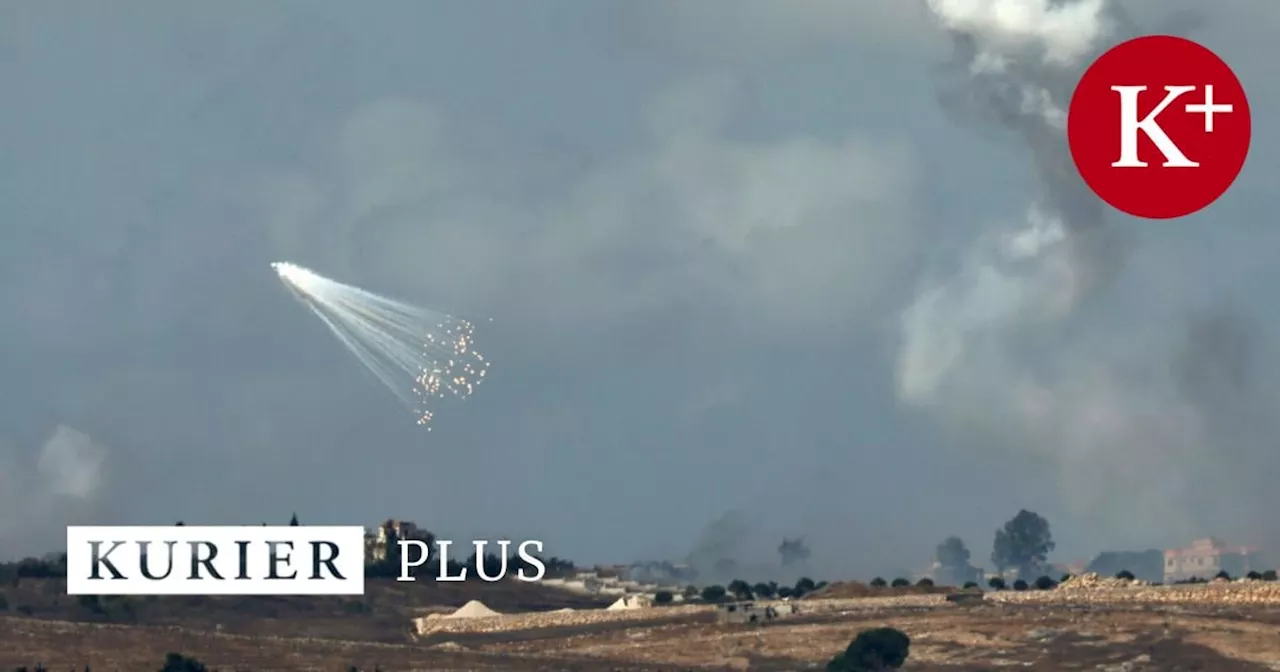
x=71 y=464
x=997 y=350
x=40 y=497
x=1016 y=62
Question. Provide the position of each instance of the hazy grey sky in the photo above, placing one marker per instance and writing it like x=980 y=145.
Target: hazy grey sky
x=699 y=228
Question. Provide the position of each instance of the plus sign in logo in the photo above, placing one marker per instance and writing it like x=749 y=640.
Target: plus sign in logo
x=1159 y=127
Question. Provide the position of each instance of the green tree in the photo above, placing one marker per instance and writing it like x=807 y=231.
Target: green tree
x=878 y=582
x=389 y=565
x=663 y=597
x=176 y=662
x=996 y=583
x=1023 y=543
x=900 y=583
x=873 y=650
x=740 y=589
x=713 y=593
x=293 y=520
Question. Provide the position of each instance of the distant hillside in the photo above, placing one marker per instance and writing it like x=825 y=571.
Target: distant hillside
x=383 y=613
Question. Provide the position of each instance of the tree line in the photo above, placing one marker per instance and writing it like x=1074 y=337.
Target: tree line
x=1022 y=545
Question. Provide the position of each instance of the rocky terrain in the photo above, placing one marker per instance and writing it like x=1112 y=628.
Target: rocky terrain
x=1086 y=624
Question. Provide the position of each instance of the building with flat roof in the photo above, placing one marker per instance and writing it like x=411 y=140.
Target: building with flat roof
x=1205 y=558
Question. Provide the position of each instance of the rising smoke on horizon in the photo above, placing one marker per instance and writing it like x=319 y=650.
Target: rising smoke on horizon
x=1014 y=65
x=711 y=241
x=41 y=494
x=1000 y=352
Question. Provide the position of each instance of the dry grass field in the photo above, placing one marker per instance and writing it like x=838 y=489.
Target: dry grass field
x=1210 y=627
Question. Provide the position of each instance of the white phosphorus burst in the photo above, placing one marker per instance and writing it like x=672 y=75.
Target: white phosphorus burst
x=418 y=354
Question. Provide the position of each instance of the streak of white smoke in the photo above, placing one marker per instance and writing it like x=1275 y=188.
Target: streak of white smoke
x=987 y=349
x=1017 y=278
x=1017 y=55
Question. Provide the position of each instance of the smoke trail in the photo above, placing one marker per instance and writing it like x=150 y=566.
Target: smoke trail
x=416 y=353
x=1015 y=64
x=722 y=540
x=995 y=350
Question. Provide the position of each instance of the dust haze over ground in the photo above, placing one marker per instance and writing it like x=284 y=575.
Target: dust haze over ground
x=708 y=251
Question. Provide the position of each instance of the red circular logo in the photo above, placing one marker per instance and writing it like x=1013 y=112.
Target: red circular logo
x=1159 y=127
